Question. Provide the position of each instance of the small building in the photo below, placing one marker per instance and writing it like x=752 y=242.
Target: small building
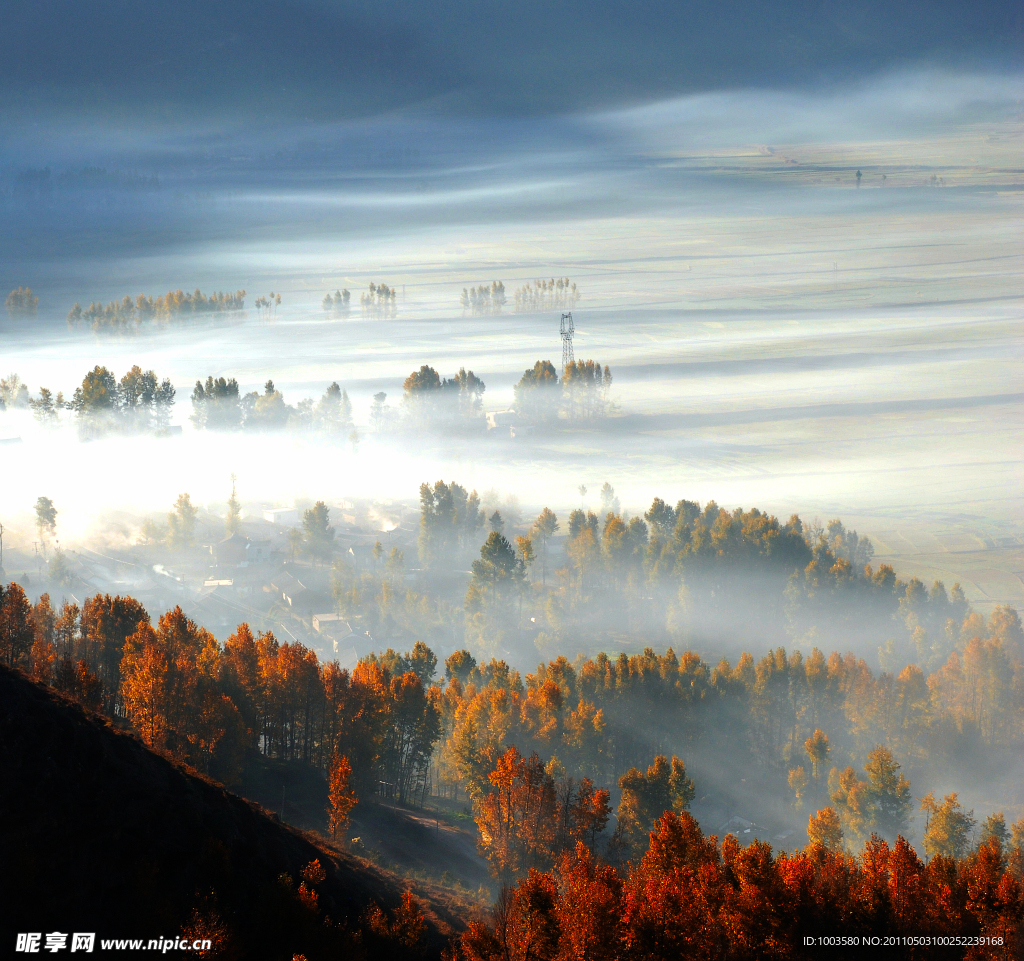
x=233 y=551
x=217 y=608
x=282 y=516
x=744 y=830
x=331 y=624
x=288 y=587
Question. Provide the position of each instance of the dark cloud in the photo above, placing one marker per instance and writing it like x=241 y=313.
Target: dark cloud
x=344 y=57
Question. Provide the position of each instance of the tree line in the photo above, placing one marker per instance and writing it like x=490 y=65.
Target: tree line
x=215 y=704
x=139 y=402
x=128 y=315
x=694 y=895
x=390 y=726
x=218 y=404
x=484 y=299
x=694 y=573
x=553 y=294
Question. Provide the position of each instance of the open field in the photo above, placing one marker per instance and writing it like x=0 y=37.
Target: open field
x=779 y=336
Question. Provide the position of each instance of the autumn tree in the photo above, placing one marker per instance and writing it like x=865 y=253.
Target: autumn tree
x=645 y=797
x=823 y=828
x=16 y=634
x=243 y=672
x=948 y=827
x=889 y=793
x=422 y=393
x=267 y=411
x=99 y=396
x=583 y=812
x=21 y=300
x=516 y=816
x=341 y=799
x=171 y=694
x=589 y=909
x=817 y=750
x=798 y=780
x=585 y=387
x=43 y=653
x=106 y=623
x=433 y=400
x=412 y=729
x=459 y=665
x=879 y=804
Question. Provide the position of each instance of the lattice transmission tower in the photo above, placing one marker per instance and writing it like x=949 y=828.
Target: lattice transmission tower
x=567 y=330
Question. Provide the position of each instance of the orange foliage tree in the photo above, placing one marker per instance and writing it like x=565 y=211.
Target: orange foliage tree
x=341 y=799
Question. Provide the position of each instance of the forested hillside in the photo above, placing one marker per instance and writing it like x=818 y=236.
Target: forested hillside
x=629 y=782
x=101 y=834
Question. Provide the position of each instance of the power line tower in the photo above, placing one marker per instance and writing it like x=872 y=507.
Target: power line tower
x=567 y=331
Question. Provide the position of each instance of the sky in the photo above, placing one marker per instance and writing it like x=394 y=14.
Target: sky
x=178 y=60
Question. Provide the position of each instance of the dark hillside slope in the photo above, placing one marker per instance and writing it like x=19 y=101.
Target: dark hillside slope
x=100 y=834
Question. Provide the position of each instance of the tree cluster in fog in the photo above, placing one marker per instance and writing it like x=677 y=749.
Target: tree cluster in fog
x=434 y=401
x=546 y=295
x=219 y=405
x=580 y=396
x=379 y=301
x=14 y=393
x=267 y=305
x=127 y=315
x=483 y=299
x=338 y=304
x=137 y=403
x=21 y=300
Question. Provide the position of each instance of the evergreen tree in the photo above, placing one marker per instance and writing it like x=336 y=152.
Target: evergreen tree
x=181 y=523
x=233 y=522
x=318 y=531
